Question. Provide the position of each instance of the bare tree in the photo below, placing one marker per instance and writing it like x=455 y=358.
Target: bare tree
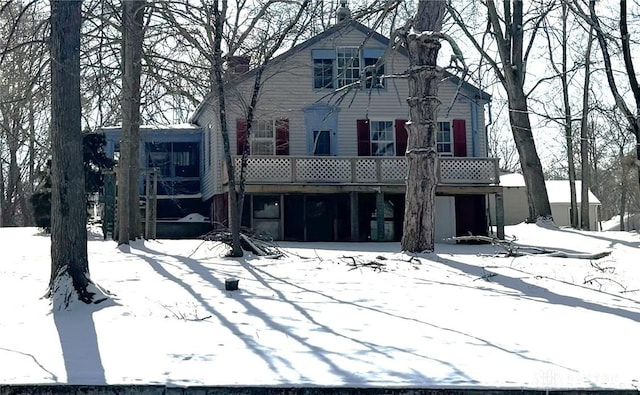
x=562 y=70
x=422 y=38
x=624 y=41
x=129 y=171
x=69 y=262
x=23 y=101
x=507 y=28
x=584 y=139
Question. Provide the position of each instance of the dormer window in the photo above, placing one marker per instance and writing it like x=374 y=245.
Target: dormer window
x=343 y=66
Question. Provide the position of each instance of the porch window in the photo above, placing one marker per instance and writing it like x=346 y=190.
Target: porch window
x=348 y=65
x=178 y=166
x=444 y=139
x=382 y=138
x=174 y=159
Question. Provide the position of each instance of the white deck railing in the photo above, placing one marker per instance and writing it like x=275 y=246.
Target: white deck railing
x=361 y=170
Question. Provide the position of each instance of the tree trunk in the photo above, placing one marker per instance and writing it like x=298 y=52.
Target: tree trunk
x=568 y=130
x=234 y=212
x=132 y=18
x=584 y=140
x=508 y=31
x=424 y=78
x=69 y=262
x=529 y=161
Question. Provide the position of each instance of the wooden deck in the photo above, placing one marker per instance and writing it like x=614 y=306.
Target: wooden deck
x=313 y=174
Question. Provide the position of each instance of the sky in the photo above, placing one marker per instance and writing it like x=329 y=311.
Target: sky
x=330 y=314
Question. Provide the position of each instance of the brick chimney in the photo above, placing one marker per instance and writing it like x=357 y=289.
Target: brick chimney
x=237 y=66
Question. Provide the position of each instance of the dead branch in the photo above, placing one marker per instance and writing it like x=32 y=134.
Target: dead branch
x=356 y=264
x=258 y=244
x=599 y=281
x=514 y=249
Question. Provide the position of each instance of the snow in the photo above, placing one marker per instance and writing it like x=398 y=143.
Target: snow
x=558 y=190
x=463 y=316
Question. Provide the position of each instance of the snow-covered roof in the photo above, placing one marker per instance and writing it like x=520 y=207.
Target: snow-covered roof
x=174 y=127
x=558 y=190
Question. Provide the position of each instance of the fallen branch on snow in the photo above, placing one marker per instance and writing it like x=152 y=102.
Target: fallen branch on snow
x=375 y=265
x=513 y=249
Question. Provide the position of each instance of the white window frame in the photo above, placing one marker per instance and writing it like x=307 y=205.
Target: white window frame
x=373 y=79
x=316 y=67
x=373 y=141
x=352 y=66
x=256 y=138
x=440 y=143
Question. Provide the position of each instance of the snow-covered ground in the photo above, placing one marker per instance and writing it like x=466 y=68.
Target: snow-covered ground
x=462 y=316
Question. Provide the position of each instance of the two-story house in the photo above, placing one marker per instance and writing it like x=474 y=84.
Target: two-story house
x=326 y=157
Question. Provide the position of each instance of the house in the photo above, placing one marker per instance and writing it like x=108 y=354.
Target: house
x=173 y=153
x=516 y=209
x=327 y=166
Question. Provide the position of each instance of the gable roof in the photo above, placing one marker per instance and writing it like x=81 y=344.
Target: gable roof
x=350 y=23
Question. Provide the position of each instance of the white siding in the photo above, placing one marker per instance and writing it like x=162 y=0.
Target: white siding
x=445 y=213
x=288 y=88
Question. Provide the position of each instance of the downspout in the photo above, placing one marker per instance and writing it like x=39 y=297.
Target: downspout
x=474 y=128
x=486 y=127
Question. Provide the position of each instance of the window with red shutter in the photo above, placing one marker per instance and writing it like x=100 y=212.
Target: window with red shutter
x=241 y=135
x=459 y=138
x=364 y=138
x=401 y=137
x=282 y=137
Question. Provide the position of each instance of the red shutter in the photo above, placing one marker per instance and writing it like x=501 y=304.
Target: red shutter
x=282 y=137
x=241 y=135
x=459 y=137
x=401 y=137
x=364 y=138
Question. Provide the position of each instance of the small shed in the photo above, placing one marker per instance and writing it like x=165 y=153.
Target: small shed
x=516 y=209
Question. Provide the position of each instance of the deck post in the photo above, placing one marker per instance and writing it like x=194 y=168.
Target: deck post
x=500 y=215
x=380 y=216
x=354 y=208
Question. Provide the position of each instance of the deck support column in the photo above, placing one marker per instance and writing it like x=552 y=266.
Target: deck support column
x=354 y=209
x=380 y=216
x=500 y=216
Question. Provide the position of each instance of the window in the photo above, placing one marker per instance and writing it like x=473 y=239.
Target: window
x=263 y=138
x=373 y=75
x=321 y=142
x=382 y=138
x=444 y=139
x=266 y=215
x=348 y=66
x=336 y=68
x=174 y=159
x=322 y=73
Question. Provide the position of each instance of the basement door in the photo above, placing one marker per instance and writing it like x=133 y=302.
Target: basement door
x=471 y=217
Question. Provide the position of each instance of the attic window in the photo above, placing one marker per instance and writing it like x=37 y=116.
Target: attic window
x=372 y=69
x=343 y=66
x=348 y=65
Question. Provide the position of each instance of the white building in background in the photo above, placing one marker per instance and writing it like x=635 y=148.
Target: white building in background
x=516 y=208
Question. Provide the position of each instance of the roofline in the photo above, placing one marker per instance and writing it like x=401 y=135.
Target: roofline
x=482 y=95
